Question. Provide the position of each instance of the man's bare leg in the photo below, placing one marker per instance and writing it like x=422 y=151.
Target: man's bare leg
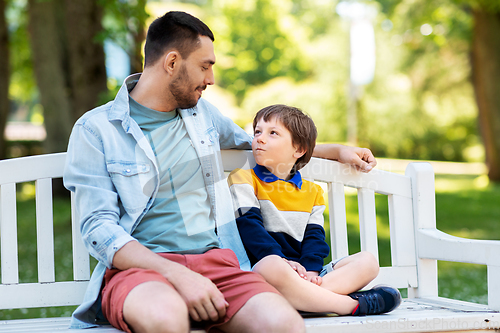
x=266 y=312
x=155 y=307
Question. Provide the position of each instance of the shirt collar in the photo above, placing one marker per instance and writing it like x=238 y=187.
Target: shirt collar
x=268 y=177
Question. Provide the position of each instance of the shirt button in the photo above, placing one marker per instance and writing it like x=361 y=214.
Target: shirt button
x=202 y=142
x=194 y=114
x=94 y=243
x=208 y=175
x=127 y=171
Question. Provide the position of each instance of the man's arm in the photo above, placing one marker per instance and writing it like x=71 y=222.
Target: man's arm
x=361 y=158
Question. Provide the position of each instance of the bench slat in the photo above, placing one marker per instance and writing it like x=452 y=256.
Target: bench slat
x=8 y=231
x=402 y=239
x=45 y=230
x=33 y=295
x=81 y=260
x=367 y=221
x=25 y=169
x=338 y=226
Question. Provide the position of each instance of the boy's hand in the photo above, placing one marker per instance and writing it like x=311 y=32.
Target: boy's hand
x=313 y=277
x=298 y=268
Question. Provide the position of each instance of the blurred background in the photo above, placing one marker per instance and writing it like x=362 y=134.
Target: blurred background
x=410 y=79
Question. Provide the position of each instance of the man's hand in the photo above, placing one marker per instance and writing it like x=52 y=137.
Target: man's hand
x=361 y=158
x=203 y=298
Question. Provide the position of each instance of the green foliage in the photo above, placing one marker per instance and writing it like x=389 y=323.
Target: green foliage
x=421 y=104
x=255 y=42
x=122 y=20
x=23 y=86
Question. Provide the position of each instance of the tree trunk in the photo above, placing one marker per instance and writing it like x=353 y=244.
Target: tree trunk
x=4 y=78
x=50 y=71
x=86 y=55
x=138 y=36
x=486 y=81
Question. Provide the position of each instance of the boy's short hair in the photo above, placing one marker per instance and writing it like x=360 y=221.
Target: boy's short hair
x=177 y=30
x=300 y=126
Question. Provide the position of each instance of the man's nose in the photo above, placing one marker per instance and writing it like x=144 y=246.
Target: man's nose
x=209 y=78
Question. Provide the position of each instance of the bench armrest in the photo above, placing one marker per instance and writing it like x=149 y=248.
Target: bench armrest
x=438 y=245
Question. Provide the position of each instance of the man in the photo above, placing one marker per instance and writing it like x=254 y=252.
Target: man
x=153 y=204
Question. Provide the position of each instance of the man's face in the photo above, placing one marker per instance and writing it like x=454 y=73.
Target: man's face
x=194 y=74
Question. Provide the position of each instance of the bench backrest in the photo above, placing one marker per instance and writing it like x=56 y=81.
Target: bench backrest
x=337 y=176
x=47 y=292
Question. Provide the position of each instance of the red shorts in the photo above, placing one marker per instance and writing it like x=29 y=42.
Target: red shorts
x=219 y=265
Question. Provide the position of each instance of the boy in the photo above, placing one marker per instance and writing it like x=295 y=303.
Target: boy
x=280 y=220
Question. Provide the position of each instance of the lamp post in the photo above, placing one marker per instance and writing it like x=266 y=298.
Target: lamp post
x=362 y=56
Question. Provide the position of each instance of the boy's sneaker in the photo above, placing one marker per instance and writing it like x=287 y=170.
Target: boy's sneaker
x=379 y=299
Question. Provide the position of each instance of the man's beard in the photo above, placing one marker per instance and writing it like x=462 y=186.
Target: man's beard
x=180 y=90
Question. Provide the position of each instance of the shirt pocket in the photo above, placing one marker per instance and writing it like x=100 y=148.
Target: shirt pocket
x=132 y=181
x=213 y=136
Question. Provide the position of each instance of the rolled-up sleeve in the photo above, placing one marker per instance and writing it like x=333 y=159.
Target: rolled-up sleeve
x=96 y=199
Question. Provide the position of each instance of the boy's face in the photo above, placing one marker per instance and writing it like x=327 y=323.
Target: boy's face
x=272 y=147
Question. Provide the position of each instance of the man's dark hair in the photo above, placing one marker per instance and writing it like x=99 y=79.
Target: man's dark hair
x=300 y=126
x=174 y=30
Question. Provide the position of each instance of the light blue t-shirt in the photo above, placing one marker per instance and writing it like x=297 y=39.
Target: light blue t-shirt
x=180 y=219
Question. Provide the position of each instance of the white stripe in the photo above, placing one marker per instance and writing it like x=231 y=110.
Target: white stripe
x=291 y=223
x=243 y=196
x=317 y=215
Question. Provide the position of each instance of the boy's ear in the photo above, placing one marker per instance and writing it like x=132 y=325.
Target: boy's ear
x=299 y=153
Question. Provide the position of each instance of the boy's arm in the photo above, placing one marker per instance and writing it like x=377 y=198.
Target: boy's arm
x=314 y=248
x=254 y=236
x=360 y=158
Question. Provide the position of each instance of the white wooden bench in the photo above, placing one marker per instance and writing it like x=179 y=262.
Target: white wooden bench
x=416 y=245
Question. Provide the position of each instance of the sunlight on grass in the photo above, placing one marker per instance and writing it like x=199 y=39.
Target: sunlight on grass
x=461 y=183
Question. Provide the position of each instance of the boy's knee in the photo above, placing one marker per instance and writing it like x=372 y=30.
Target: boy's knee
x=273 y=268
x=369 y=262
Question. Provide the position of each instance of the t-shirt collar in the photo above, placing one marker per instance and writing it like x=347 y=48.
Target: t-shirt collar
x=268 y=177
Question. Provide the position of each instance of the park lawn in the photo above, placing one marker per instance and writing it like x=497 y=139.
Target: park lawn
x=466 y=207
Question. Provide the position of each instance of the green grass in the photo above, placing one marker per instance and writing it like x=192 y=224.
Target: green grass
x=466 y=206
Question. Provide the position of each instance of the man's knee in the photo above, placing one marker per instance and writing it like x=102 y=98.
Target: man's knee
x=267 y=312
x=156 y=307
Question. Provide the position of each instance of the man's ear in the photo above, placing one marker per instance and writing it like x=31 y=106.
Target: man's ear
x=170 y=61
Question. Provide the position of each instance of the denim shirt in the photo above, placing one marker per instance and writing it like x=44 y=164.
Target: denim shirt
x=112 y=170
